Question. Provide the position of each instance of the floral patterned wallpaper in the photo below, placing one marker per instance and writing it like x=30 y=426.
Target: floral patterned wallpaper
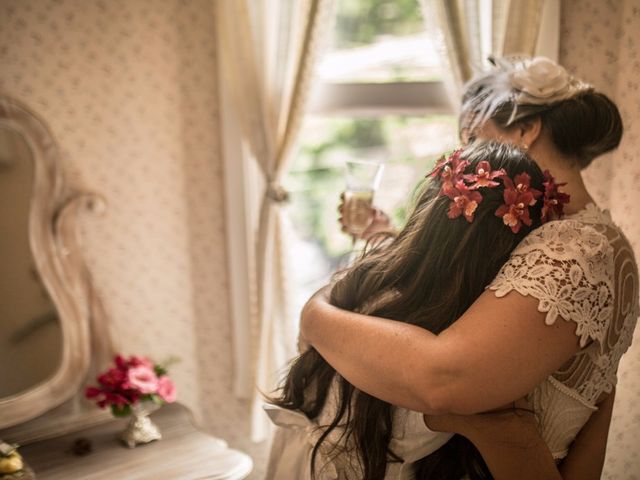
x=600 y=43
x=129 y=89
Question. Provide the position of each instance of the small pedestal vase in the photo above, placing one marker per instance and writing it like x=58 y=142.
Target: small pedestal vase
x=140 y=428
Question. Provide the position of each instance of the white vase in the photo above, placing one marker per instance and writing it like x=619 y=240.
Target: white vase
x=141 y=428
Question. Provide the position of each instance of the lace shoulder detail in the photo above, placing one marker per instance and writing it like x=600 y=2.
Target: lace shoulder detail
x=568 y=265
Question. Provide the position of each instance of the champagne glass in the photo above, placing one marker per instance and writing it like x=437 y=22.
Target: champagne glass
x=362 y=179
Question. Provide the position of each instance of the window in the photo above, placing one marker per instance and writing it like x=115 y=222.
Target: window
x=380 y=97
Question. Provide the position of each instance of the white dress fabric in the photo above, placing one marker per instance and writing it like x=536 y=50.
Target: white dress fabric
x=581 y=269
x=295 y=436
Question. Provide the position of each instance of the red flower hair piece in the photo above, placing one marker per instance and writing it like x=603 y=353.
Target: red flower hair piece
x=518 y=197
x=463 y=190
x=484 y=176
x=453 y=160
x=465 y=201
x=450 y=170
x=465 y=197
x=554 y=200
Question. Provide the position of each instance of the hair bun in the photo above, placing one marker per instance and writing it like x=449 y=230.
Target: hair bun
x=585 y=126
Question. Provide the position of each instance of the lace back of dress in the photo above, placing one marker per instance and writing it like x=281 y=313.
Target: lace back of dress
x=592 y=373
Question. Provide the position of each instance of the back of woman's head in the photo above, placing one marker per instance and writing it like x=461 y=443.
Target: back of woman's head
x=476 y=207
x=438 y=265
x=581 y=122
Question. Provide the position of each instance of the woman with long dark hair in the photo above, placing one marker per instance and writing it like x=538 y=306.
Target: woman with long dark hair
x=557 y=317
x=477 y=206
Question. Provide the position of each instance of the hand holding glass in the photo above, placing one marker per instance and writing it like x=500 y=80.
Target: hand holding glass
x=362 y=178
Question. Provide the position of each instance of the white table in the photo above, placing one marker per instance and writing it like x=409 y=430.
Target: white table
x=184 y=453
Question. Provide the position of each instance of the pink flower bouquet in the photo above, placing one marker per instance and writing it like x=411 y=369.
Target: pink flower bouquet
x=130 y=381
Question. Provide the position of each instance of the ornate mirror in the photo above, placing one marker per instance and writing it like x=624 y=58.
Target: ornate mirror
x=30 y=337
x=48 y=309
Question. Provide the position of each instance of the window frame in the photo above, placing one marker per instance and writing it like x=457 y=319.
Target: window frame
x=242 y=189
x=380 y=99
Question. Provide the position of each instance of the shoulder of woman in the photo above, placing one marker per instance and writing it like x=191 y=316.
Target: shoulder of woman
x=568 y=265
x=567 y=244
x=567 y=236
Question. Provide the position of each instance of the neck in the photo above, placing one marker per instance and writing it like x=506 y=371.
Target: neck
x=565 y=170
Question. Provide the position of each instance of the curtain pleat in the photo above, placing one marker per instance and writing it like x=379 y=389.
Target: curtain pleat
x=523 y=26
x=459 y=24
x=268 y=49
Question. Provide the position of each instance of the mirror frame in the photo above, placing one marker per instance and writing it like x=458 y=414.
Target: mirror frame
x=55 y=246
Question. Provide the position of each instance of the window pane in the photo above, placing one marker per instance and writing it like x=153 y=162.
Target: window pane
x=408 y=146
x=379 y=41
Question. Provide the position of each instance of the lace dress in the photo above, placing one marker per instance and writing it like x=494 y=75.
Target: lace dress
x=581 y=269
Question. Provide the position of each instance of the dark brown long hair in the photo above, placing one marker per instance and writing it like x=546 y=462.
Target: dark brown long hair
x=429 y=275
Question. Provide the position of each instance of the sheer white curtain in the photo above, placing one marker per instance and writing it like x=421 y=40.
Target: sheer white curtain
x=267 y=50
x=468 y=31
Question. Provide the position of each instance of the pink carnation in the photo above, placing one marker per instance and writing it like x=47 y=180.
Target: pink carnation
x=129 y=381
x=143 y=379
x=135 y=361
x=167 y=389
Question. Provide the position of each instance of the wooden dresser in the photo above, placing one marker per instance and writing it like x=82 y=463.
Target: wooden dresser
x=184 y=453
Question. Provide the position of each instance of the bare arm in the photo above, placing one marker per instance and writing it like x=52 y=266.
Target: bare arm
x=498 y=351
x=508 y=441
x=512 y=447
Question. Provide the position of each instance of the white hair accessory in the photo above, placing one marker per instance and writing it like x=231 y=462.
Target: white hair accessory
x=539 y=81
x=518 y=81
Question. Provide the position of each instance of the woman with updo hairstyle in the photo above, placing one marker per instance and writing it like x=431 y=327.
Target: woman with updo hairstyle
x=552 y=325
x=582 y=123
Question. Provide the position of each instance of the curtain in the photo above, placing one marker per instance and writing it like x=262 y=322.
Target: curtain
x=468 y=31
x=267 y=51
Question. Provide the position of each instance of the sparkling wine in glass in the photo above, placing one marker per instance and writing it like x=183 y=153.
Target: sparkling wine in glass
x=357 y=210
x=362 y=178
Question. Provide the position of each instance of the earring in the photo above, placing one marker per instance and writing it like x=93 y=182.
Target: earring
x=525 y=147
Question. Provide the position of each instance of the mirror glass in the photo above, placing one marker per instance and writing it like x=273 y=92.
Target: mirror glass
x=30 y=333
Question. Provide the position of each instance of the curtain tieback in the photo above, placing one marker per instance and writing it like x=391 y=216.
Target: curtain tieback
x=277 y=193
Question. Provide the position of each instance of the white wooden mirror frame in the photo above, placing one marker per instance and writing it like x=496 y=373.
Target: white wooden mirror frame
x=56 y=250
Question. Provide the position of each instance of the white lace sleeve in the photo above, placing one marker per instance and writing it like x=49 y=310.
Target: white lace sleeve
x=569 y=267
